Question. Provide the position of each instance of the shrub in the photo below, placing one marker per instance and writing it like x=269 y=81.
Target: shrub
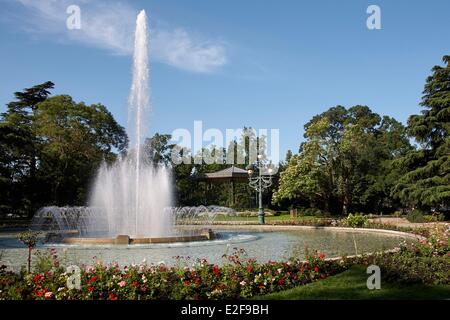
x=426 y=261
x=406 y=267
x=434 y=217
x=398 y=214
x=238 y=278
x=438 y=216
x=356 y=220
x=415 y=216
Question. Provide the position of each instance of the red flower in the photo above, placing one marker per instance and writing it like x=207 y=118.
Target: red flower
x=216 y=270
x=112 y=296
x=249 y=268
x=40 y=293
x=93 y=279
x=37 y=278
x=90 y=288
x=316 y=269
x=321 y=255
x=187 y=283
x=197 y=280
x=281 y=282
x=135 y=284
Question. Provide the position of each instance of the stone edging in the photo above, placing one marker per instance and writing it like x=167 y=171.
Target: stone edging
x=273 y=228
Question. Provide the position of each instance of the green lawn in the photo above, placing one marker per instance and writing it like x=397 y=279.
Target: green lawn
x=351 y=284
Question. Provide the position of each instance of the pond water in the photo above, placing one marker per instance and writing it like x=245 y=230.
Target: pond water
x=262 y=246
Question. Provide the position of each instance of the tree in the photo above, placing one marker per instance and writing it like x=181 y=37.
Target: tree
x=19 y=151
x=425 y=182
x=158 y=150
x=343 y=158
x=75 y=139
x=50 y=148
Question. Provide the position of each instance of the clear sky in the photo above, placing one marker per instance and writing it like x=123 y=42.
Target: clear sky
x=265 y=64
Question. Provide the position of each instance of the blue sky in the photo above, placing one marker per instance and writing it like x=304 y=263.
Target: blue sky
x=265 y=64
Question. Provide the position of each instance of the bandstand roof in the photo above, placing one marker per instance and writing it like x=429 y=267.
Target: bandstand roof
x=229 y=174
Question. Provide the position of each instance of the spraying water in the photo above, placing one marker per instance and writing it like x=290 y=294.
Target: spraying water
x=132 y=193
x=132 y=196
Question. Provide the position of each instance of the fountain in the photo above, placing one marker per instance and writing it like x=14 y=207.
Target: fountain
x=131 y=199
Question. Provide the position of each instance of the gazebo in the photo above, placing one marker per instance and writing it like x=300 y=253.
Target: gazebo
x=230 y=175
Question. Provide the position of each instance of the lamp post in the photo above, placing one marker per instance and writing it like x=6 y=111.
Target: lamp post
x=261 y=182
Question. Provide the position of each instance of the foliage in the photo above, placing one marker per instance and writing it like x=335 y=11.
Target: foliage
x=238 y=278
x=188 y=170
x=47 y=260
x=313 y=212
x=425 y=261
x=50 y=148
x=344 y=164
x=19 y=151
x=415 y=216
x=356 y=220
x=425 y=181
x=29 y=239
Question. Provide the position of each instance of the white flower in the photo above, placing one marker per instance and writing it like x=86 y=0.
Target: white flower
x=242 y=283
x=280 y=270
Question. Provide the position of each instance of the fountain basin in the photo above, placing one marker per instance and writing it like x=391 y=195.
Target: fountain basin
x=203 y=235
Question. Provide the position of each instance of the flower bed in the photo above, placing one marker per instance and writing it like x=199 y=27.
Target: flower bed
x=425 y=261
x=237 y=279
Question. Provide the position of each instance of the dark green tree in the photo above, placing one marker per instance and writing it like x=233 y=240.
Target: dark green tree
x=20 y=151
x=426 y=179
x=158 y=150
x=75 y=139
x=50 y=149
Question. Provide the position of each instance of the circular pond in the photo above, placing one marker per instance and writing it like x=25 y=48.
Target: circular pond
x=257 y=243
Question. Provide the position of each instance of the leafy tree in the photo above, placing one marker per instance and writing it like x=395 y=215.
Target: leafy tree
x=341 y=164
x=158 y=149
x=426 y=171
x=20 y=150
x=75 y=139
x=50 y=148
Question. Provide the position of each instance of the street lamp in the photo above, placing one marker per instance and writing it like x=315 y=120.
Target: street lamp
x=261 y=182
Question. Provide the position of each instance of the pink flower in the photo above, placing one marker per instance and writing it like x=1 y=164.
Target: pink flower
x=48 y=295
x=122 y=284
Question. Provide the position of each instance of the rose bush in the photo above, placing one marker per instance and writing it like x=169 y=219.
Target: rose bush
x=425 y=261
x=238 y=278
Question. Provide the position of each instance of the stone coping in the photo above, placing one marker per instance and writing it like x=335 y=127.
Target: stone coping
x=274 y=228
x=203 y=235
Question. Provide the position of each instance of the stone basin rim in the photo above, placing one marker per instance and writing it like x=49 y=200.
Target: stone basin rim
x=275 y=228
x=204 y=235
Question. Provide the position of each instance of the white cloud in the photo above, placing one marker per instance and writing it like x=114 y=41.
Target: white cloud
x=177 y=48
x=110 y=25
